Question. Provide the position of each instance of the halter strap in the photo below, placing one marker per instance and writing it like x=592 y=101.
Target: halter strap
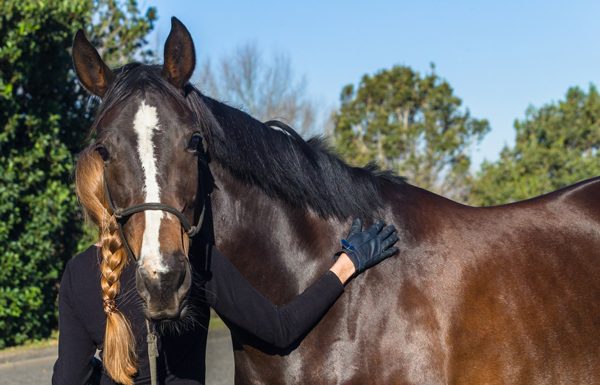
x=123 y=214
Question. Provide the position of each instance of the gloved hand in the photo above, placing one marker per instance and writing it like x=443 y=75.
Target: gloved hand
x=369 y=247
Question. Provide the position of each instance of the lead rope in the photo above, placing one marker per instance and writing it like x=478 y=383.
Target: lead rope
x=152 y=352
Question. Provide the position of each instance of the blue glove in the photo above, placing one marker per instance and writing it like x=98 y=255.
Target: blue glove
x=369 y=247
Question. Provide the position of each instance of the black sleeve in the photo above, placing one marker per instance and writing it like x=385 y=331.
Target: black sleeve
x=75 y=346
x=235 y=300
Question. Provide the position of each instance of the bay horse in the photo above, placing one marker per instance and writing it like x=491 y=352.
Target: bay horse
x=497 y=295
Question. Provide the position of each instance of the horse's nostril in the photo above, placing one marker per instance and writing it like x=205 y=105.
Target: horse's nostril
x=164 y=290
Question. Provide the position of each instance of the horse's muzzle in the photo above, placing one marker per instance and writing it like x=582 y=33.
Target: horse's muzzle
x=165 y=292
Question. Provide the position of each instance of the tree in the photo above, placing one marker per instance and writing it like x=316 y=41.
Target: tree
x=556 y=145
x=43 y=120
x=266 y=90
x=120 y=31
x=409 y=123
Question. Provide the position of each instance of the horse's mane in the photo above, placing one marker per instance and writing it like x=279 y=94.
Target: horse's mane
x=304 y=174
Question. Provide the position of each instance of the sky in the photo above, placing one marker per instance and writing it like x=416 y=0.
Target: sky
x=499 y=56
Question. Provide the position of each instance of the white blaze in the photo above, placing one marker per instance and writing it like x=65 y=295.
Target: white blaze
x=145 y=124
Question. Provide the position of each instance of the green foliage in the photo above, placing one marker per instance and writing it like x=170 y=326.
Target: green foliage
x=556 y=145
x=44 y=117
x=409 y=123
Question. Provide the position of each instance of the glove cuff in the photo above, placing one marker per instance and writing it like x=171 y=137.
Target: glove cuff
x=337 y=254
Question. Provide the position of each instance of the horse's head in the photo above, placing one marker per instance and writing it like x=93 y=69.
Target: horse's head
x=149 y=141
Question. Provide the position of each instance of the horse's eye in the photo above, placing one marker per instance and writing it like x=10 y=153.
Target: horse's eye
x=194 y=143
x=100 y=149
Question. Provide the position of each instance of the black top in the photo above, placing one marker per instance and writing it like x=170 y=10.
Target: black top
x=181 y=356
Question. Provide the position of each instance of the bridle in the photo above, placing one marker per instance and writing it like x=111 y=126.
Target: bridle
x=123 y=214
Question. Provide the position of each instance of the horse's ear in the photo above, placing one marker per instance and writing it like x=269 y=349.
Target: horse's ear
x=93 y=74
x=180 y=55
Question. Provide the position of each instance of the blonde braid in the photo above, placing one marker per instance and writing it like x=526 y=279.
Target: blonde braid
x=119 y=357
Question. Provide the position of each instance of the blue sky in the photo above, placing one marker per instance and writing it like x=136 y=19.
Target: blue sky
x=500 y=57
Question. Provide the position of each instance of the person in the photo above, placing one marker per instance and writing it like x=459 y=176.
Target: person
x=82 y=318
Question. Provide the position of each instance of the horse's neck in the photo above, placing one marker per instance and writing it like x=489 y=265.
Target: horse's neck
x=280 y=250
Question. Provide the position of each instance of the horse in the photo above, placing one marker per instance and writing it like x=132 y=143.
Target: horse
x=495 y=295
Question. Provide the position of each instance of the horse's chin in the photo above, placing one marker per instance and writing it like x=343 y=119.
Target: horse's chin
x=178 y=325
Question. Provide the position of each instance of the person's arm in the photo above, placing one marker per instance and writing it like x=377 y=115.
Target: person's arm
x=235 y=300
x=75 y=346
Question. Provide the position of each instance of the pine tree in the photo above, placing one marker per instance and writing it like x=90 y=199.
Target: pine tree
x=556 y=145
x=412 y=124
